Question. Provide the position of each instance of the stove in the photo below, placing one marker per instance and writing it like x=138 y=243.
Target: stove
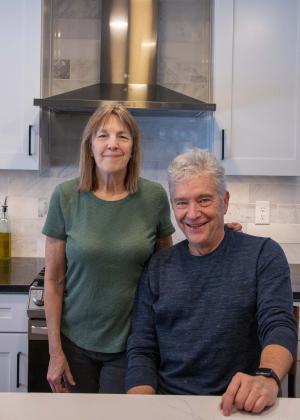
x=36 y=308
x=38 y=353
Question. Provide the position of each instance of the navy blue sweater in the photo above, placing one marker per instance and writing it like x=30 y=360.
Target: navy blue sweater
x=200 y=319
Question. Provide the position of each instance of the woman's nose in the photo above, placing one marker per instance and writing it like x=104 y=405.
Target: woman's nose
x=112 y=142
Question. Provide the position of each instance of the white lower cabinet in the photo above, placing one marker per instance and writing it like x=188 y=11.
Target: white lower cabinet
x=13 y=362
x=13 y=343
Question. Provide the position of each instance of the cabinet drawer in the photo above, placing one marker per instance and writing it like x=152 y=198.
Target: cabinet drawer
x=13 y=315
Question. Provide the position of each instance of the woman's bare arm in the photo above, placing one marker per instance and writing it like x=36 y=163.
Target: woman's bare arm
x=59 y=374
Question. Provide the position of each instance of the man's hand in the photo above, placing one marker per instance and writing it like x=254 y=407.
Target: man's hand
x=59 y=375
x=142 y=389
x=249 y=393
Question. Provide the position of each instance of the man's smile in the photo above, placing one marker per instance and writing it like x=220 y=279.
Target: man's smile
x=195 y=225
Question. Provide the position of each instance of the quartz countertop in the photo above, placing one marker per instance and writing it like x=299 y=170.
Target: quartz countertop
x=31 y=406
x=17 y=274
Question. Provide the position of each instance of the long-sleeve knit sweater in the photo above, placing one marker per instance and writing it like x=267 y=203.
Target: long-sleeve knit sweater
x=200 y=319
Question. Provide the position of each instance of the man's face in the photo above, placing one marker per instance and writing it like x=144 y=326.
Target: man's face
x=199 y=211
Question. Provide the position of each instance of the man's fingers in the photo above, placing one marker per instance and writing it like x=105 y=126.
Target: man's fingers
x=260 y=404
x=229 y=397
x=250 y=401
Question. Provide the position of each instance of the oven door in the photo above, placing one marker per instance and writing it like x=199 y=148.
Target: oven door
x=38 y=356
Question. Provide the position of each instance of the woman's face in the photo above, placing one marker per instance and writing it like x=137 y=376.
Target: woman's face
x=112 y=147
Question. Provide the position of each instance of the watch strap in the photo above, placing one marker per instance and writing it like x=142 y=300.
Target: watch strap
x=269 y=373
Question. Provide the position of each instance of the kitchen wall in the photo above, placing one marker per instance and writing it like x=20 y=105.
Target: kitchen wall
x=29 y=193
x=182 y=65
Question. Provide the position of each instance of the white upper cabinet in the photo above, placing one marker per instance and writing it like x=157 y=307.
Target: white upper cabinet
x=20 y=46
x=256 y=77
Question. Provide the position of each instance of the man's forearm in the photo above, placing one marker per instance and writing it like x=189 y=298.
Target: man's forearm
x=278 y=358
x=142 y=389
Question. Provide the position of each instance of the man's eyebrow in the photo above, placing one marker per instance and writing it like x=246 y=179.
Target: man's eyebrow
x=203 y=195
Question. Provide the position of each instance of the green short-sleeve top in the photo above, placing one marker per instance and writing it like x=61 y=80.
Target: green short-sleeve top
x=107 y=246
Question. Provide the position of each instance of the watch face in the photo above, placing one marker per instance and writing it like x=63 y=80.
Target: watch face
x=269 y=373
x=264 y=372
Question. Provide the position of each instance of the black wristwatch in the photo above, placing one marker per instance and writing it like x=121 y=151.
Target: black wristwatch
x=269 y=373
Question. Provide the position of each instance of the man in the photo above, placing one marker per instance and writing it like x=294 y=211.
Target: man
x=213 y=314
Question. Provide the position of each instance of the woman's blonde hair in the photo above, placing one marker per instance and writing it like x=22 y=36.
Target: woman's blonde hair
x=88 y=178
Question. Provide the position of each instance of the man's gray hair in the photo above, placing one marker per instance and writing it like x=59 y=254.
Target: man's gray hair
x=196 y=162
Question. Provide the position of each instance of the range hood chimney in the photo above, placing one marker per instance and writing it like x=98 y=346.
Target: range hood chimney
x=129 y=42
x=128 y=67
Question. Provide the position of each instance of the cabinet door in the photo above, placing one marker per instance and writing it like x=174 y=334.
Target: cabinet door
x=257 y=85
x=13 y=316
x=13 y=362
x=20 y=44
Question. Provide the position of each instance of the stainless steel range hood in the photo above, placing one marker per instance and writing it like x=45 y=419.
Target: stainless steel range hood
x=128 y=66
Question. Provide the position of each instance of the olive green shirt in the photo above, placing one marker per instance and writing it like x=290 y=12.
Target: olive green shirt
x=107 y=246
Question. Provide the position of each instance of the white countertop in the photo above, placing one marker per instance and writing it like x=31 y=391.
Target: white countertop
x=31 y=406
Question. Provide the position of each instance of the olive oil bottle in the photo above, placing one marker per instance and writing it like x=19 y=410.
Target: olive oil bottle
x=5 y=234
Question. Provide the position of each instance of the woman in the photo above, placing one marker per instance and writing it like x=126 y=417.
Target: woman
x=101 y=229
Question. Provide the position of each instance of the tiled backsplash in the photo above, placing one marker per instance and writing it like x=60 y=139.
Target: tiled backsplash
x=29 y=193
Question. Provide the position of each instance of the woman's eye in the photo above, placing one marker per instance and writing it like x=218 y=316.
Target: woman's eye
x=124 y=137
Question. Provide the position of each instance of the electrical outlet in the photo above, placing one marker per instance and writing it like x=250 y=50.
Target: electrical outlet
x=262 y=212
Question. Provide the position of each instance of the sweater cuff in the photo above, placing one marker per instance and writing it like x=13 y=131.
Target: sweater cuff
x=286 y=339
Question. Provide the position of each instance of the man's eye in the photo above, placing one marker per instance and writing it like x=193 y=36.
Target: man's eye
x=204 y=202
x=181 y=204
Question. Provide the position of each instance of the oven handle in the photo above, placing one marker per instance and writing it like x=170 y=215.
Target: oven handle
x=35 y=329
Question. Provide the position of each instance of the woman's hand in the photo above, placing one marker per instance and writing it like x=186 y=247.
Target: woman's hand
x=59 y=374
x=235 y=226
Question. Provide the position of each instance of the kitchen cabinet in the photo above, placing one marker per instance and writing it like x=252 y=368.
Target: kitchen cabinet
x=256 y=78
x=13 y=342
x=20 y=45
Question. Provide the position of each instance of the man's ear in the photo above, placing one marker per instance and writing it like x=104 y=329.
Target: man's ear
x=226 y=201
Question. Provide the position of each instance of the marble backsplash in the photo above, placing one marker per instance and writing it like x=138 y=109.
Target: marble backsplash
x=28 y=196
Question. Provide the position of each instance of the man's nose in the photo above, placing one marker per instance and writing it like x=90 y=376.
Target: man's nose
x=193 y=210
